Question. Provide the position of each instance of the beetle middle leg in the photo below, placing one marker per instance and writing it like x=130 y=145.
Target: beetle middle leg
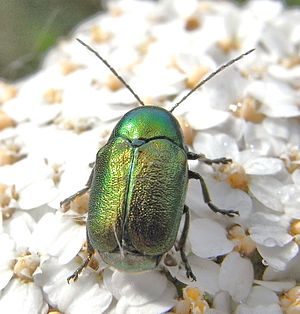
x=181 y=244
x=201 y=157
x=84 y=265
x=207 y=200
x=69 y=199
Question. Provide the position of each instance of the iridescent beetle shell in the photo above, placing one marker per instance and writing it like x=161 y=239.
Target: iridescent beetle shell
x=138 y=190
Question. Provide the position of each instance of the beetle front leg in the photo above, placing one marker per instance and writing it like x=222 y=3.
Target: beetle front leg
x=181 y=244
x=69 y=199
x=206 y=197
x=84 y=265
x=201 y=157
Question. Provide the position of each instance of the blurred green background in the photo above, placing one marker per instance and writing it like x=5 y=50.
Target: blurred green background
x=29 y=27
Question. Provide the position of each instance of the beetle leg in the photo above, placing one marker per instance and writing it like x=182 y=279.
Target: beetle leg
x=178 y=284
x=68 y=200
x=207 y=200
x=84 y=265
x=201 y=157
x=181 y=244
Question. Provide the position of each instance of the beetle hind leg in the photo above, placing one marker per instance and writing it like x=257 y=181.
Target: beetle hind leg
x=207 y=200
x=181 y=244
x=84 y=265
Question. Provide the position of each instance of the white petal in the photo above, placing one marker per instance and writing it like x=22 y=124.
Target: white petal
x=277 y=286
x=71 y=183
x=231 y=199
x=287 y=75
x=278 y=99
x=223 y=196
x=33 y=169
x=215 y=146
x=287 y=110
x=6 y=258
x=265 y=190
x=205 y=117
x=296 y=177
x=261 y=296
x=91 y=299
x=24 y=298
x=235 y=128
x=263 y=166
x=140 y=288
x=162 y=304
x=222 y=301
x=236 y=276
x=277 y=127
x=265 y=309
x=208 y=238
x=292 y=271
x=107 y=281
x=258 y=140
x=265 y=9
x=187 y=62
x=20 y=228
x=214 y=311
x=270 y=236
x=58 y=236
x=38 y=193
x=278 y=257
x=1 y=223
x=83 y=296
x=206 y=272
x=186 y=9
x=290 y=197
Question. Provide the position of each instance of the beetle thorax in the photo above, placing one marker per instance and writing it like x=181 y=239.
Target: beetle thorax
x=146 y=123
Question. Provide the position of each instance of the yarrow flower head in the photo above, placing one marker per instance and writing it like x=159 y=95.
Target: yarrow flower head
x=53 y=123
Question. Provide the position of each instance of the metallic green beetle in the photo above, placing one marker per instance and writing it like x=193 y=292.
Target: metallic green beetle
x=138 y=188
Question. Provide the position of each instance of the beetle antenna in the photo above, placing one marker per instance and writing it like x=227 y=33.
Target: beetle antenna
x=211 y=75
x=112 y=70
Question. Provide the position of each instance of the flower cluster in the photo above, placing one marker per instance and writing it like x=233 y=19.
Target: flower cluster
x=53 y=122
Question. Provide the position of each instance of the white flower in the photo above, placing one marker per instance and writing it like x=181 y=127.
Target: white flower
x=58 y=236
x=148 y=292
x=20 y=297
x=278 y=100
x=35 y=181
x=66 y=111
x=86 y=295
x=17 y=268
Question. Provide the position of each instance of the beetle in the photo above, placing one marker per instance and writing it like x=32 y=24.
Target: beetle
x=138 y=188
